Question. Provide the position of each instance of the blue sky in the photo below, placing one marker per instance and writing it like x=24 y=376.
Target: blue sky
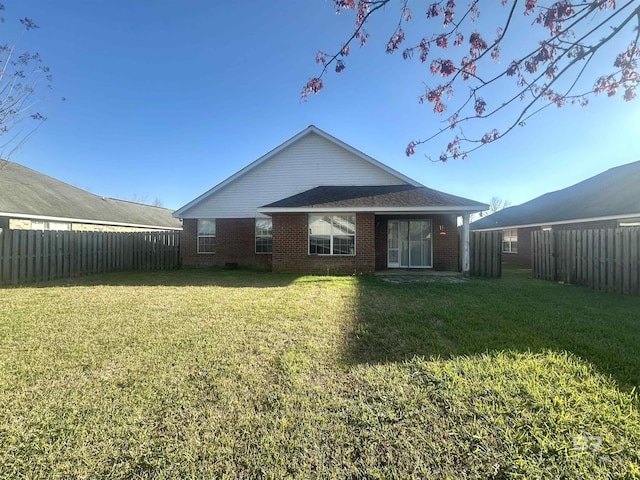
x=166 y=99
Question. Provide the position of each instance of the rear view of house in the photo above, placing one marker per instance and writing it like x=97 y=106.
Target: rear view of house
x=317 y=205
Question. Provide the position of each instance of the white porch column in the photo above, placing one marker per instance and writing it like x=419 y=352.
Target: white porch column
x=465 y=243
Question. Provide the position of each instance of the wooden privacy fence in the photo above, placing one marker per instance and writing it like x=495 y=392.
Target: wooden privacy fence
x=32 y=256
x=485 y=254
x=607 y=260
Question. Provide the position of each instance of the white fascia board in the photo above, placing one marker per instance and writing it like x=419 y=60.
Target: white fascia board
x=377 y=210
x=310 y=129
x=83 y=220
x=559 y=222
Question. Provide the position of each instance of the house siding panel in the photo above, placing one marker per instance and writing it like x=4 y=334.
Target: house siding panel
x=308 y=163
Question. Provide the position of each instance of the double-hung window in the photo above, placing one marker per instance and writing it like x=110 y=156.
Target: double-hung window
x=510 y=241
x=264 y=235
x=206 y=236
x=332 y=234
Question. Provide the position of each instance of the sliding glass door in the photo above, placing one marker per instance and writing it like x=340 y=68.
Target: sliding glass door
x=409 y=244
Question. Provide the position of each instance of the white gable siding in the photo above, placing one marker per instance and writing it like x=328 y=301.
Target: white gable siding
x=310 y=162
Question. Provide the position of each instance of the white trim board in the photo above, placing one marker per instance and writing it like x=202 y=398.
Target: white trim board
x=376 y=210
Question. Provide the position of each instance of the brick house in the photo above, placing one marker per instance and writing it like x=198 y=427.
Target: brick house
x=317 y=205
x=608 y=200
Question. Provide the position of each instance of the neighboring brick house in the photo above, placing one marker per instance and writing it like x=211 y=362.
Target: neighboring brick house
x=30 y=200
x=608 y=200
x=317 y=205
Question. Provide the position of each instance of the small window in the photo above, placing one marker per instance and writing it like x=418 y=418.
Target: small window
x=510 y=241
x=332 y=234
x=41 y=225
x=264 y=235
x=206 y=236
x=59 y=226
x=629 y=222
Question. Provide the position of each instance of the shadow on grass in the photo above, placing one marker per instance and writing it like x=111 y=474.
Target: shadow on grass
x=395 y=322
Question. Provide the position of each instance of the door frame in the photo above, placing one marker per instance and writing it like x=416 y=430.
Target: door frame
x=403 y=245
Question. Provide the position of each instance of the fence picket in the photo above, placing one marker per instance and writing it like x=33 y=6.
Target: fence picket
x=607 y=260
x=485 y=254
x=28 y=255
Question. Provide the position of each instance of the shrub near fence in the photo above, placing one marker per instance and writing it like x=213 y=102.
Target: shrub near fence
x=31 y=256
x=607 y=260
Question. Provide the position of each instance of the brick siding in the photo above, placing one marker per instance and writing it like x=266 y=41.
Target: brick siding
x=445 y=246
x=523 y=257
x=235 y=243
x=291 y=248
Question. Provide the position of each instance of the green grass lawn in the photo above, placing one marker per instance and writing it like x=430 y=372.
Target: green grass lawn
x=217 y=374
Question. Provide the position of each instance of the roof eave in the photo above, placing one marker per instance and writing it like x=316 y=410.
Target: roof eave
x=86 y=221
x=376 y=210
x=558 y=222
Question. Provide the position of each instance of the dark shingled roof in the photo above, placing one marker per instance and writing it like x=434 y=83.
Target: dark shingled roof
x=373 y=196
x=26 y=192
x=614 y=192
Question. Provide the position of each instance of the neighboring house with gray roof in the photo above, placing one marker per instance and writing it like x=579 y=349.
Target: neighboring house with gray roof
x=608 y=200
x=315 y=204
x=34 y=201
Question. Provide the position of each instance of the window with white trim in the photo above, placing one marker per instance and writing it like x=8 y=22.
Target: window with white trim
x=510 y=241
x=264 y=235
x=206 y=236
x=629 y=222
x=332 y=234
x=41 y=225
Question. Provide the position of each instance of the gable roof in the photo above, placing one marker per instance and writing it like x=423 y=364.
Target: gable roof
x=377 y=198
x=25 y=193
x=296 y=138
x=614 y=193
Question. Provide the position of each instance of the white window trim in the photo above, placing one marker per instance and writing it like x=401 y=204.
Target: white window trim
x=332 y=235
x=629 y=222
x=42 y=225
x=198 y=236
x=263 y=236
x=510 y=242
